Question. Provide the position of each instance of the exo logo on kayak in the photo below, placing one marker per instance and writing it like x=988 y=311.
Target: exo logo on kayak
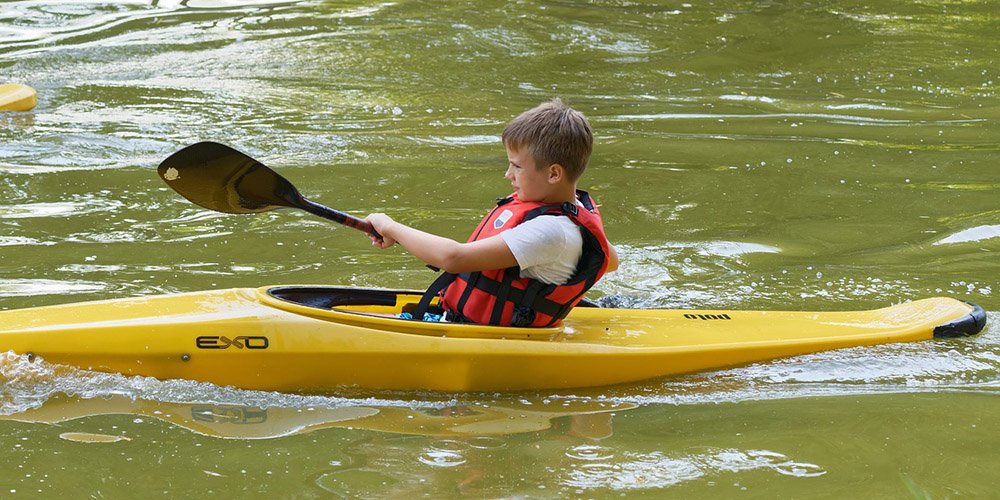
x=707 y=316
x=222 y=342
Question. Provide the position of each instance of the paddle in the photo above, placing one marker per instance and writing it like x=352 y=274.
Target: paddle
x=220 y=178
x=17 y=97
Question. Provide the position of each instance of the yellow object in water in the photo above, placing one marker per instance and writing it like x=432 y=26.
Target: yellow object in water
x=17 y=97
x=321 y=339
x=589 y=418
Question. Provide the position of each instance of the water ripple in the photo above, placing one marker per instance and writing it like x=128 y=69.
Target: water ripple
x=10 y=241
x=39 y=25
x=444 y=453
x=32 y=287
x=654 y=470
x=58 y=209
x=832 y=118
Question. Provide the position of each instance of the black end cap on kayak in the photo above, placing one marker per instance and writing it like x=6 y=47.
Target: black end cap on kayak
x=970 y=324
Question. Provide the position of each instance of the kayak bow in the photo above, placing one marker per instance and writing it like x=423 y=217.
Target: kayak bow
x=319 y=339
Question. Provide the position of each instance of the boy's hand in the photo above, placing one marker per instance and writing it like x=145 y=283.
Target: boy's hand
x=381 y=222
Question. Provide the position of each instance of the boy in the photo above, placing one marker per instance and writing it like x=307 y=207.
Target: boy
x=534 y=256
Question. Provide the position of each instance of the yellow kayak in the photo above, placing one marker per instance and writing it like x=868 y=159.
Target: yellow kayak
x=321 y=339
x=17 y=97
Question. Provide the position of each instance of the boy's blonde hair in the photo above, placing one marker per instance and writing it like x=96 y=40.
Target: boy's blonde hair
x=553 y=133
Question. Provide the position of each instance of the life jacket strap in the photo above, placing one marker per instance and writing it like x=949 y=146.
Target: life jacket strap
x=532 y=298
x=439 y=284
x=518 y=296
x=501 y=298
x=471 y=279
x=524 y=310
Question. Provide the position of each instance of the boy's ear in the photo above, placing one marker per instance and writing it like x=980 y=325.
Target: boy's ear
x=556 y=173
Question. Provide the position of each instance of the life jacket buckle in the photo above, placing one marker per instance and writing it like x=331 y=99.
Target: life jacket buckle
x=569 y=208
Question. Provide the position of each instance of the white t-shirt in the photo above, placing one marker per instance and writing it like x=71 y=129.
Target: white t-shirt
x=547 y=248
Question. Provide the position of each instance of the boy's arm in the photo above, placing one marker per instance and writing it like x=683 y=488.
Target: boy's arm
x=612 y=259
x=440 y=252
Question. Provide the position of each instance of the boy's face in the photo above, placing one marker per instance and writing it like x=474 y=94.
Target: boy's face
x=530 y=183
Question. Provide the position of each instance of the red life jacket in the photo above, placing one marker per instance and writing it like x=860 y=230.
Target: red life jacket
x=501 y=296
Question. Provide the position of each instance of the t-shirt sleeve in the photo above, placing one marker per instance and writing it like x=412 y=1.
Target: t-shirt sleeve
x=537 y=241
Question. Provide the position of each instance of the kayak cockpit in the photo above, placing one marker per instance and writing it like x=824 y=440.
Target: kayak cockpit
x=379 y=308
x=367 y=300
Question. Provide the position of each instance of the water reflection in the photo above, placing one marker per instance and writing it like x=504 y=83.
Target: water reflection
x=35 y=391
x=588 y=419
x=975 y=234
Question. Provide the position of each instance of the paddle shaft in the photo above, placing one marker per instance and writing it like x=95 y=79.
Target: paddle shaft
x=342 y=218
x=337 y=216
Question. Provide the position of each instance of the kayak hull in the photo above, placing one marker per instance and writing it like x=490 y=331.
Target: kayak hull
x=324 y=339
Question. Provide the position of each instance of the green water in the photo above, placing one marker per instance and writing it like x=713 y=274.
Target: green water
x=758 y=155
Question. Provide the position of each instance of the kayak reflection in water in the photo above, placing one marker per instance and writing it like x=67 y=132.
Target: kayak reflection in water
x=538 y=251
x=576 y=418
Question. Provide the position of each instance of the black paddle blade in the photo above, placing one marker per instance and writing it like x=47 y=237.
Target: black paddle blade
x=220 y=178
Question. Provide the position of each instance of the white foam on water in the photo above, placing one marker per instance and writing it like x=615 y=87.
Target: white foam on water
x=944 y=365
x=629 y=470
x=28 y=384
